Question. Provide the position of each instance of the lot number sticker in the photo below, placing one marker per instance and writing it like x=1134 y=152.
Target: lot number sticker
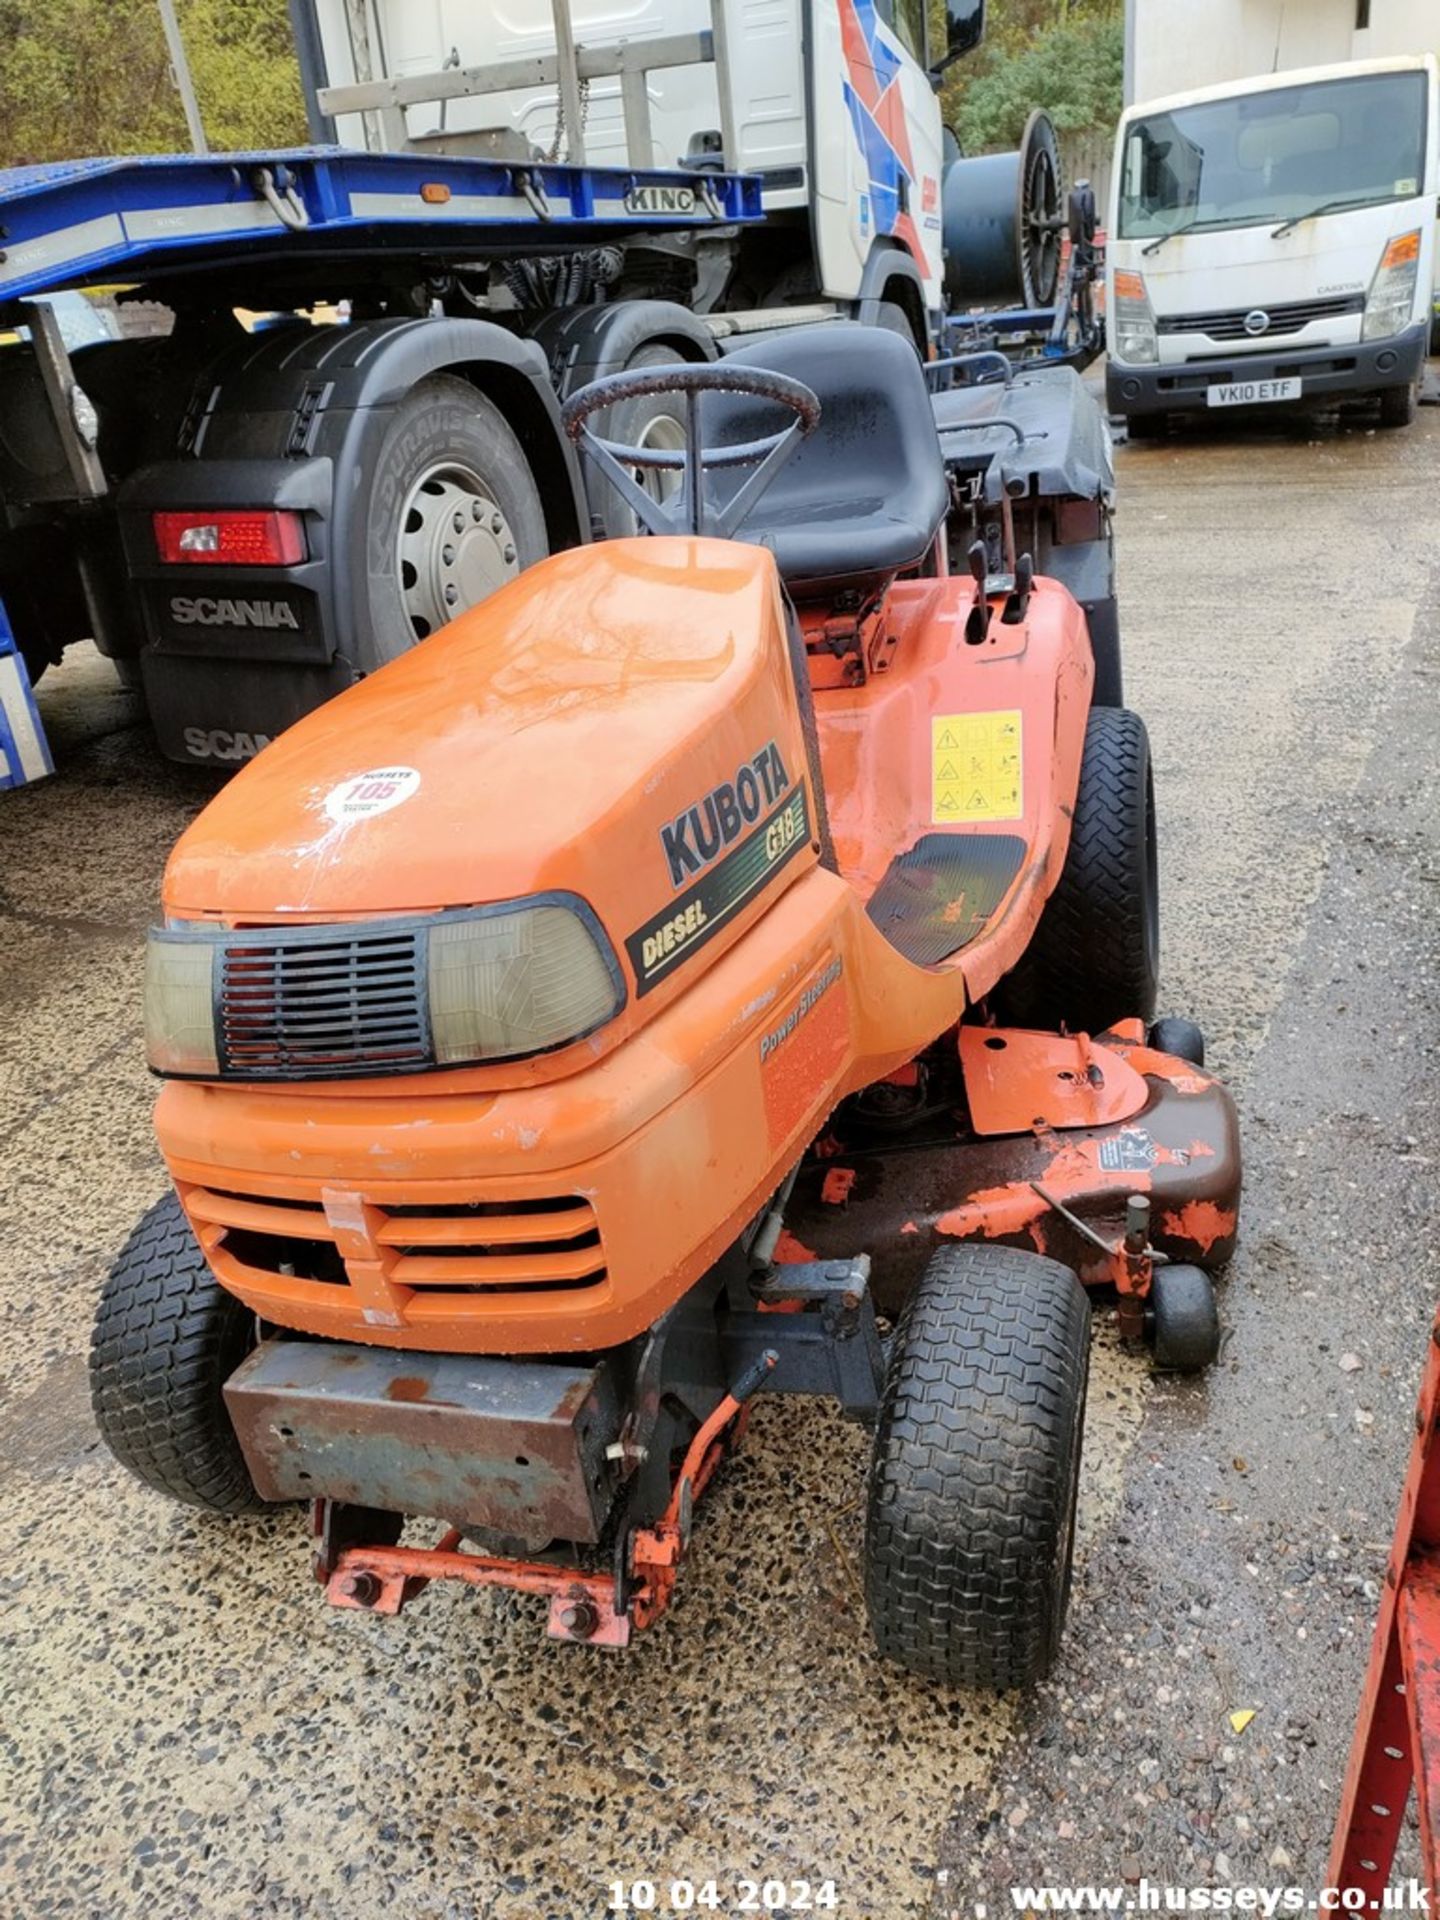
x=976 y=767
x=369 y=793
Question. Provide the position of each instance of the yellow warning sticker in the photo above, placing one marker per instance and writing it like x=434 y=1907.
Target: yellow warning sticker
x=976 y=765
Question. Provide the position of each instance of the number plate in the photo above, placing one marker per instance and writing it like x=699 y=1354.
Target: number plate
x=1252 y=393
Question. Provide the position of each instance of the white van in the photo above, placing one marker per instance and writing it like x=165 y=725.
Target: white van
x=1273 y=243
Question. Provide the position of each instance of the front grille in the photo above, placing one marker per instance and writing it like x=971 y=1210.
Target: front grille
x=308 y=1000
x=430 y=1259
x=1290 y=318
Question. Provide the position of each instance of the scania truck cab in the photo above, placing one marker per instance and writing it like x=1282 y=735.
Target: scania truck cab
x=1273 y=244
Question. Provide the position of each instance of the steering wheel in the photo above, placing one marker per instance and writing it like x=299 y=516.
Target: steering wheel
x=690 y=510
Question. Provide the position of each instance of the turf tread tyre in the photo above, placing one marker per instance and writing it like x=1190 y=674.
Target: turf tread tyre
x=167 y=1336
x=970 y=1517
x=1094 y=957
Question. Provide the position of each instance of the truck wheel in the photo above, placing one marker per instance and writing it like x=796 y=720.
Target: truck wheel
x=167 y=1337
x=657 y=422
x=1399 y=405
x=971 y=1518
x=454 y=513
x=1095 y=956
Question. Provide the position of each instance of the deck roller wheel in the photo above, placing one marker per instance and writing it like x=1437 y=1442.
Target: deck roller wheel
x=971 y=1516
x=1183 y=1323
x=1182 y=1039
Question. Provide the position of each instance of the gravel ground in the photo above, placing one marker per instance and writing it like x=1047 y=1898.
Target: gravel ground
x=185 y=1729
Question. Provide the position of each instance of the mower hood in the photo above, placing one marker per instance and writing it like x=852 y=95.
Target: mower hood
x=611 y=724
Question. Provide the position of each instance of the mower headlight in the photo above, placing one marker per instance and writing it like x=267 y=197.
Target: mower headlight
x=1391 y=299
x=180 y=1004
x=519 y=981
x=1134 y=336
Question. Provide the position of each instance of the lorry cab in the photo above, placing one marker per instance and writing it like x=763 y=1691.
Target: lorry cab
x=833 y=103
x=1274 y=242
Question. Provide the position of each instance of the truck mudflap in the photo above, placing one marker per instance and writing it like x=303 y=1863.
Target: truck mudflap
x=512 y=1448
x=296 y=422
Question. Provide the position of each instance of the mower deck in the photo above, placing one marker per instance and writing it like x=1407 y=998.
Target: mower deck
x=919 y=1160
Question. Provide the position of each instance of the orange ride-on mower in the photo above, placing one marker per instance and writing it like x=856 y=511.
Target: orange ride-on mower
x=715 y=950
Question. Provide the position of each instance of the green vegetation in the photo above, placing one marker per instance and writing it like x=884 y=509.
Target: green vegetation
x=92 y=76
x=1066 y=56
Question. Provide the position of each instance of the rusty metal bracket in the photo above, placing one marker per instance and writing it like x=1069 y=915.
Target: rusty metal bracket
x=588 y=1607
x=336 y=1526
x=1132 y=1260
x=382 y=1579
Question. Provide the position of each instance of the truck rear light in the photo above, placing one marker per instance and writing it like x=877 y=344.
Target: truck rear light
x=238 y=539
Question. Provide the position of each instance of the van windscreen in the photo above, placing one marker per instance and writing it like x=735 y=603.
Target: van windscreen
x=1276 y=155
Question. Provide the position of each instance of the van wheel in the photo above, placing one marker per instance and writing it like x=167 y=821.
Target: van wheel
x=1095 y=956
x=970 y=1523
x=167 y=1337
x=1399 y=405
x=1146 y=426
x=454 y=513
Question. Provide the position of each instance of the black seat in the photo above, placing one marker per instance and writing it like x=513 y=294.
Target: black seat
x=865 y=495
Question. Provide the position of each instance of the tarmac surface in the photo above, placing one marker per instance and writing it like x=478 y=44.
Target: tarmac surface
x=185 y=1729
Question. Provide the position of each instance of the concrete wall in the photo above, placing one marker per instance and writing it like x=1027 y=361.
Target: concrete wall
x=1172 y=45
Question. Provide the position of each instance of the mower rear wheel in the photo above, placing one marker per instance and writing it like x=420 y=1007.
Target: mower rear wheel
x=971 y=1514
x=167 y=1337
x=1184 y=1323
x=1095 y=956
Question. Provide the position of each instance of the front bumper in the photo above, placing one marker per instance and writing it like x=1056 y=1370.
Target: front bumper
x=1362 y=367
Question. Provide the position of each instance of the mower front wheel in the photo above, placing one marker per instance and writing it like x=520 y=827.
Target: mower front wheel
x=971 y=1514
x=167 y=1337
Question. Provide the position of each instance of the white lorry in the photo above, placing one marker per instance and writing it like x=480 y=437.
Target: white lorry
x=1272 y=243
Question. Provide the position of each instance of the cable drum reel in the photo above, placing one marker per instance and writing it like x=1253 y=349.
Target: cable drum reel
x=1004 y=218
